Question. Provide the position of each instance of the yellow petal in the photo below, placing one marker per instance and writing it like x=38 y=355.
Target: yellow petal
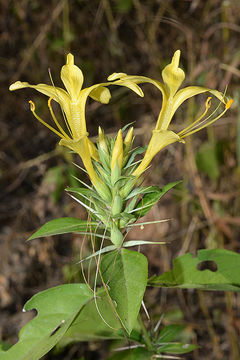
x=131 y=85
x=159 y=140
x=116 y=76
x=172 y=75
x=135 y=79
x=123 y=79
x=101 y=94
x=56 y=93
x=72 y=78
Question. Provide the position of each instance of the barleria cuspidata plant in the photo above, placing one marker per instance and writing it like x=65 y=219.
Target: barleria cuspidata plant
x=115 y=201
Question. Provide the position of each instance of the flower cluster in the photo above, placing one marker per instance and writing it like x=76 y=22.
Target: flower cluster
x=110 y=162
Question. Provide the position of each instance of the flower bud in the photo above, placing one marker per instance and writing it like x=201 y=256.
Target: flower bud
x=116 y=236
x=117 y=205
x=101 y=141
x=128 y=140
x=117 y=152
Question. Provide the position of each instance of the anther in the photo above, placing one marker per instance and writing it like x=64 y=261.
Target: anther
x=32 y=105
x=208 y=102
x=228 y=104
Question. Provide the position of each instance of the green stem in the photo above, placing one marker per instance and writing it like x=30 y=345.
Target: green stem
x=146 y=337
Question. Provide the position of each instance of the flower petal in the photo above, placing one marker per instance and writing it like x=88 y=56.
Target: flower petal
x=140 y=80
x=129 y=84
x=56 y=93
x=101 y=94
x=72 y=77
x=159 y=140
x=173 y=75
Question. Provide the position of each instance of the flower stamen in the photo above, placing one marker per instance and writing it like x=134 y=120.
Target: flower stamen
x=207 y=107
x=32 y=108
x=55 y=119
x=205 y=124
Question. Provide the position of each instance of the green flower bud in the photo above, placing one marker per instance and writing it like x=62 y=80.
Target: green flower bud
x=116 y=236
x=117 y=205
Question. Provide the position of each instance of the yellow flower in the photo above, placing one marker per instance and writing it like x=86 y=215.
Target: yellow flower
x=173 y=77
x=73 y=103
x=73 y=99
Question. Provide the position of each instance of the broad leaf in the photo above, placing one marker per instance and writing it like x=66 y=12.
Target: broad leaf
x=63 y=226
x=152 y=196
x=186 y=271
x=125 y=273
x=97 y=321
x=57 y=309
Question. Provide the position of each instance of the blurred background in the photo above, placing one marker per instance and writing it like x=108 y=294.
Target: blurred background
x=136 y=37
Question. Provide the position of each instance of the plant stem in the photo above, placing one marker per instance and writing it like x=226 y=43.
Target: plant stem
x=146 y=337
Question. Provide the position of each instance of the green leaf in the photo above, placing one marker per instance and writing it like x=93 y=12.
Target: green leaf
x=152 y=196
x=63 y=226
x=141 y=190
x=169 y=333
x=57 y=309
x=125 y=273
x=207 y=160
x=176 y=348
x=186 y=273
x=137 y=151
x=97 y=321
x=133 y=354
